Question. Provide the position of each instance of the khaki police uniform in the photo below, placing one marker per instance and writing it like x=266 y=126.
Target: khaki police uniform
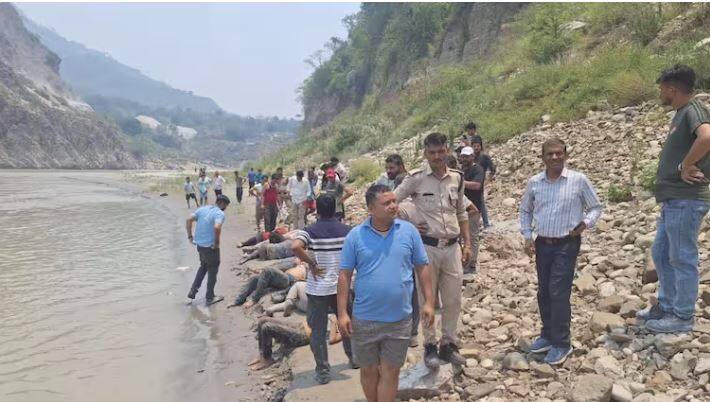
x=441 y=204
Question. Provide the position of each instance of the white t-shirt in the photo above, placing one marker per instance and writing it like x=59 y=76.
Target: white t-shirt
x=189 y=188
x=298 y=189
x=218 y=182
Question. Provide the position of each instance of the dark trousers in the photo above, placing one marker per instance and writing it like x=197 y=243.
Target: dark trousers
x=240 y=193
x=209 y=265
x=288 y=334
x=415 y=310
x=555 y=271
x=217 y=192
x=271 y=212
x=318 y=309
x=258 y=286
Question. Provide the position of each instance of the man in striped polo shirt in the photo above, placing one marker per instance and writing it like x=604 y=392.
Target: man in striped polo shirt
x=325 y=239
x=558 y=205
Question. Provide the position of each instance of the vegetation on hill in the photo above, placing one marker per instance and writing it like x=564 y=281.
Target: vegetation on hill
x=557 y=59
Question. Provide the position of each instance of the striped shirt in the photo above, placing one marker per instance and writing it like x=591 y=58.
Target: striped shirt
x=554 y=208
x=325 y=239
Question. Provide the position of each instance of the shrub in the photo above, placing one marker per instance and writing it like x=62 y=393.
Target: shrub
x=619 y=194
x=628 y=88
x=364 y=171
x=648 y=177
x=646 y=22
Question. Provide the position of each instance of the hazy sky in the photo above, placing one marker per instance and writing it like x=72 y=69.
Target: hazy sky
x=247 y=57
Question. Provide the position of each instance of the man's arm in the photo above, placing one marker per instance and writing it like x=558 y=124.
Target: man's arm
x=347 y=193
x=188 y=226
x=424 y=278
x=406 y=188
x=299 y=250
x=491 y=166
x=217 y=233
x=344 y=322
x=701 y=146
x=591 y=203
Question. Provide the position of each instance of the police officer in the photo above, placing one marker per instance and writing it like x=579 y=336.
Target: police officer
x=438 y=196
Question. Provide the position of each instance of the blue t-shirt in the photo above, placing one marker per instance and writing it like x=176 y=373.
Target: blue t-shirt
x=250 y=176
x=206 y=218
x=384 y=268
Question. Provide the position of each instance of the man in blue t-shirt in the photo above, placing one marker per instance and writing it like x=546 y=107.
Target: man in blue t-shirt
x=209 y=220
x=383 y=251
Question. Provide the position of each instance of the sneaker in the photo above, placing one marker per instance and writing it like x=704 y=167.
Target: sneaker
x=540 y=345
x=450 y=353
x=670 y=324
x=288 y=307
x=557 y=355
x=323 y=377
x=651 y=313
x=192 y=294
x=431 y=356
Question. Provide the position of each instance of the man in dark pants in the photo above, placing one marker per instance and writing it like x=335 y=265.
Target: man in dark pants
x=209 y=220
x=270 y=203
x=269 y=278
x=562 y=203
x=240 y=185
x=325 y=239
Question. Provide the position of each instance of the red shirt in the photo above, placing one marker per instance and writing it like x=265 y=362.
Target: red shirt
x=271 y=196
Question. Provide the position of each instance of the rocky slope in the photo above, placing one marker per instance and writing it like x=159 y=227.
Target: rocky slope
x=42 y=124
x=614 y=358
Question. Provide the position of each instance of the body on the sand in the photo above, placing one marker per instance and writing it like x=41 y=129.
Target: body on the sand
x=384 y=252
x=207 y=235
x=563 y=204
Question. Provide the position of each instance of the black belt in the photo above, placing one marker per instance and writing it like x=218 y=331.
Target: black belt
x=556 y=240
x=434 y=242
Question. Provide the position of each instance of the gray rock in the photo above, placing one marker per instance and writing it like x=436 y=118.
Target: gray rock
x=611 y=304
x=591 y=388
x=543 y=370
x=703 y=365
x=620 y=393
x=603 y=321
x=420 y=382
x=515 y=361
x=586 y=284
x=478 y=391
x=608 y=364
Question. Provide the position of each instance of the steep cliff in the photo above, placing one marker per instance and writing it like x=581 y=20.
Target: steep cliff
x=42 y=124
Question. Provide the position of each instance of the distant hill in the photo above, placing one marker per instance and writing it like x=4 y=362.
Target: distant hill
x=91 y=73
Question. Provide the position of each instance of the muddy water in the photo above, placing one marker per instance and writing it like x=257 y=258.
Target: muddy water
x=91 y=294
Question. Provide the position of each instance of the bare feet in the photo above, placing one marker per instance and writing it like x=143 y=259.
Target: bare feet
x=255 y=361
x=263 y=363
x=248 y=304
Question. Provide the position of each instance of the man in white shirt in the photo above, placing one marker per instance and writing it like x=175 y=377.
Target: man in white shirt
x=218 y=183
x=299 y=190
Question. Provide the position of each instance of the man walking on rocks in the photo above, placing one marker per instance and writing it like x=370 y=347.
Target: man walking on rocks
x=682 y=189
x=438 y=196
x=474 y=177
x=384 y=252
x=562 y=203
x=486 y=163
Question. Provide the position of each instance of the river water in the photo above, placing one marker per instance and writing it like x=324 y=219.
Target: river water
x=91 y=294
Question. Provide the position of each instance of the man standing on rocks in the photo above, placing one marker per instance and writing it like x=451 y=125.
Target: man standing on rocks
x=562 y=203
x=438 y=196
x=208 y=231
x=325 y=239
x=486 y=163
x=682 y=190
x=395 y=172
x=299 y=190
x=270 y=203
x=383 y=251
x=474 y=176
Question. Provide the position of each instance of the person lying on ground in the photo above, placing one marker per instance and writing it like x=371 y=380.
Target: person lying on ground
x=275 y=236
x=290 y=334
x=296 y=299
x=257 y=286
x=266 y=251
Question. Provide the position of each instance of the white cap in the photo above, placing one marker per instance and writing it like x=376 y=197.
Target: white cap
x=467 y=151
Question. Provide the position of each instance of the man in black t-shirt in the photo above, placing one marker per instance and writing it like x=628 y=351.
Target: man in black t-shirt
x=474 y=177
x=486 y=163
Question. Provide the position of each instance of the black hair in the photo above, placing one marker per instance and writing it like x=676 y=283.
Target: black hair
x=334 y=160
x=325 y=206
x=276 y=237
x=435 y=139
x=396 y=159
x=274 y=176
x=452 y=162
x=471 y=126
x=552 y=142
x=679 y=76
x=372 y=192
x=299 y=173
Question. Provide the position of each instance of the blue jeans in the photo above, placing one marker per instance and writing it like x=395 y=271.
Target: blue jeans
x=484 y=213
x=675 y=255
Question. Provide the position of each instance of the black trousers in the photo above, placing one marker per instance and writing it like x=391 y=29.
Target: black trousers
x=258 y=286
x=318 y=309
x=555 y=272
x=271 y=212
x=209 y=265
x=415 y=310
x=240 y=193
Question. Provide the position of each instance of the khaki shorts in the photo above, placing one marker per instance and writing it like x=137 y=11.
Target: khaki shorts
x=375 y=341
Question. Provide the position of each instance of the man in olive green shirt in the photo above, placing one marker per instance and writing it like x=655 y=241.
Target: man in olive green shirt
x=682 y=189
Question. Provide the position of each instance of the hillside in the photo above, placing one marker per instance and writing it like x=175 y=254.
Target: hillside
x=409 y=68
x=95 y=74
x=42 y=123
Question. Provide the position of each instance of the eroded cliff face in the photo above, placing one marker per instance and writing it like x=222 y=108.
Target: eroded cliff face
x=42 y=124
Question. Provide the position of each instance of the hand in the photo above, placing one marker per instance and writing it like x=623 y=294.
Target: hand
x=692 y=175
x=189 y=237
x=215 y=246
x=529 y=247
x=466 y=254
x=578 y=230
x=427 y=314
x=345 y=325
x=317 y=271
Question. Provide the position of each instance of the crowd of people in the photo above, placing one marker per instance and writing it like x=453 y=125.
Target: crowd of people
x=382 y=279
